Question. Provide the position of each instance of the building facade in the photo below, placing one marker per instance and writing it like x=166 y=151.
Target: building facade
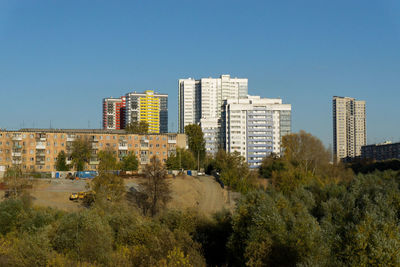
x=201 y=102
x=37 y=149
x=149 y=107
x=349 y=127
x=114 y=113
x=203 y=99
x=384 y=151
x=254 y=127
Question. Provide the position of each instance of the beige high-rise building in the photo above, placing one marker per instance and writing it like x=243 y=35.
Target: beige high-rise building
x=349 y=127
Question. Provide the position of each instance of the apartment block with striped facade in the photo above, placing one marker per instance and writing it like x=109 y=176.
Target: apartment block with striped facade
x=150 y=107
x=114 y=113
x=37 y=149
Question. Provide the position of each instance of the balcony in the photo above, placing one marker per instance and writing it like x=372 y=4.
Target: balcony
x=16 y=154
x=40 y=162
x=17 y=138
x=94 y=162
x=40 y=145
x=16 y=162
x=68 y=162
x=70 y=139
x=17 y=146
x=123 y=147
x=171 y=141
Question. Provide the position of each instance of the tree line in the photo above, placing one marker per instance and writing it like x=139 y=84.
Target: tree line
x=313 y=212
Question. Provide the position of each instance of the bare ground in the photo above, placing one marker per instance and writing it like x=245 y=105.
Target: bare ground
x=202 y=193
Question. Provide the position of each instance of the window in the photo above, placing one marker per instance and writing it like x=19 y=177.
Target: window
x=110 y=108
x=110 y=121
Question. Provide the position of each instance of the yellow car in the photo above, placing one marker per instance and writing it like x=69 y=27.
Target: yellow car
x=73 y=196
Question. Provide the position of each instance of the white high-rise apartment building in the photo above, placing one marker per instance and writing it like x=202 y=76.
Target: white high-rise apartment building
x=201 y=101
x=349 y=127
x=254 y=127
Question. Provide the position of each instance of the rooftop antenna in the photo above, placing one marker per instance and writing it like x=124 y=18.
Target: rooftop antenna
x=50 y=124
x=88 y=124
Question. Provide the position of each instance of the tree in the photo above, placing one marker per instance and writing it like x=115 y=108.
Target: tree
x=81 y=152
x=16 y=183
x=107 y=186
x=306 y=152
x=182 y=159
x=305 y=161
x=108 y=161
x=196 y=141
x=129 y=162
x=156 y=186
x=137 y=127
x=61 y=164
x=272 y=164
x=234 y=171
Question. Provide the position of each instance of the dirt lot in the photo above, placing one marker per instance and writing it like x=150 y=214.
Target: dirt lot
x=202 y=193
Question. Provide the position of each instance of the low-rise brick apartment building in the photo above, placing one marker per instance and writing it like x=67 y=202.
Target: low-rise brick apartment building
x=37 y=149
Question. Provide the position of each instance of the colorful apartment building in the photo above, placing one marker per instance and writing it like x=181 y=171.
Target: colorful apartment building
x=114 y=113
x=37 y=149
x=149 y=107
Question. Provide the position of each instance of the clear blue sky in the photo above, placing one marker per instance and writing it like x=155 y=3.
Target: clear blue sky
x=58 y=59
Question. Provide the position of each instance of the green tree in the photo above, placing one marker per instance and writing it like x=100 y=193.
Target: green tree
x=137 y=127
x=129 y=162
x=182 y=159
x=270 y=229
x=84 y=236
x=156 y=186
x=234 y=171
x=196 y=141
x=272 y=164
x=81 y=152
x=61 y=164
x=107 y=161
